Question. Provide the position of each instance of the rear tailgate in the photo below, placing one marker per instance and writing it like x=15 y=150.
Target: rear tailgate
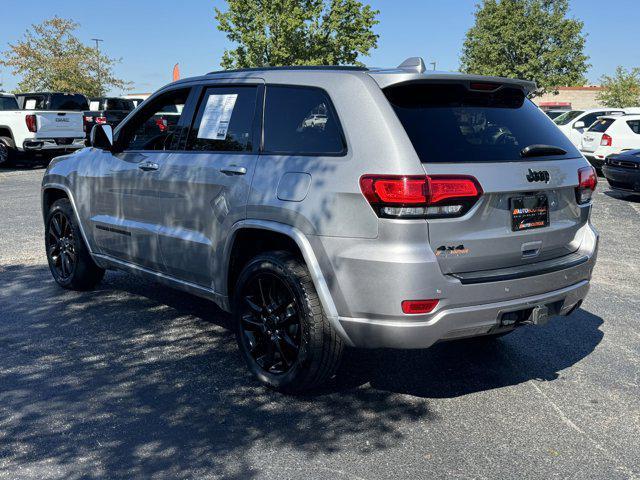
x=591 y=138
x=527 y=210
x=53 y=124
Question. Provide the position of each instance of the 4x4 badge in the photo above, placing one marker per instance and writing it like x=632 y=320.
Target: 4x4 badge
x=538 y=176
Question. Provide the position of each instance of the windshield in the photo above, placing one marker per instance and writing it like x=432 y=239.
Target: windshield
x=567 y=117
x=449 y=123
x=63 y=101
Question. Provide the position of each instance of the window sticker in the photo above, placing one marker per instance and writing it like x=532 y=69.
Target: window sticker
x=216 y=117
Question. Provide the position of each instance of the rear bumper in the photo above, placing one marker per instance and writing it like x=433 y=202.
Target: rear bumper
x=451 y=323
x=372 y=287
x=59 y=144
x=624 y=179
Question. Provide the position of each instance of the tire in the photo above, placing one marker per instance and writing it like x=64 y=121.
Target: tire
x=7 y=153
x=281 y=329
x=63 y=240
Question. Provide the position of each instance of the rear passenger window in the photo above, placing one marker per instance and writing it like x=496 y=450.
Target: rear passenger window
x=225 y=119
x=301 y=121
x=634 y=125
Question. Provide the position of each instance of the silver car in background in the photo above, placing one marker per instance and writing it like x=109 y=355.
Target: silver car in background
x=334 y=206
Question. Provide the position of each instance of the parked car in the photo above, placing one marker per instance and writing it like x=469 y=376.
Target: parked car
x=136 y=101
x=610 y=135
x=50 y=131
x=427 y=207
x=107 y=110
x=575 y=122
x=555 y=113
x=622 y=171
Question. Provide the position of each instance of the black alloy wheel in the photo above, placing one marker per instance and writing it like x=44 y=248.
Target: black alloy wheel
x=270 y=325
x=61 y=245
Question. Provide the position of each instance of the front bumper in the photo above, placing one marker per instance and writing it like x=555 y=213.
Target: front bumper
x=58 y=144
x=624 y=179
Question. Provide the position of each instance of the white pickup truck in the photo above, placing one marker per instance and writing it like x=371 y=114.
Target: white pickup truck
x=50 y=131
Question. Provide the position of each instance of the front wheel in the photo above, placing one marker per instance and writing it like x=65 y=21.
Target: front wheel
x=282 y=331
x=68 y=256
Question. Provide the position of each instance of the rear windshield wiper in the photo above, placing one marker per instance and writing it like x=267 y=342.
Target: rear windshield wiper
x=541 y=151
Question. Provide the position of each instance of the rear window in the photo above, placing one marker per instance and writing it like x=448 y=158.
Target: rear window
x=119 y=104
x=634 y=125
x=449 y=123
x=8 y=103
x=601 y=125
x=59 y=101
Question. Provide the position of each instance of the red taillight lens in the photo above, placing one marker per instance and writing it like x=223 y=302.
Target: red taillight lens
x=101 y=120
x=397 y=196
x=606 y=140
x=162 y=124
x=587 y=182
x=412 y=307
x=32 y=124
x=88 y=119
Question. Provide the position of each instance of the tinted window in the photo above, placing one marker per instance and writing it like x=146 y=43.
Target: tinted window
x=224 y=122
x=590 y=118
x=61 y=101
x=119 y=104
x=601 y=125
x=634 y=125
x=301 y=121
x=155 y=127
x=8 y=103
x=567 y=117
x=31 y=102
x=449 y=123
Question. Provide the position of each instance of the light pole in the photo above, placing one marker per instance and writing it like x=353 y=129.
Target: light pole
x=434 y=64
x=98 y=40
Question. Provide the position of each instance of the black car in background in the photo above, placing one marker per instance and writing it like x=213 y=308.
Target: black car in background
x=622 y=171
x=106 y=110
x=73 y=102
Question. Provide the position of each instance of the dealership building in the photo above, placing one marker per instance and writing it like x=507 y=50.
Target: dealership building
x=570 y=98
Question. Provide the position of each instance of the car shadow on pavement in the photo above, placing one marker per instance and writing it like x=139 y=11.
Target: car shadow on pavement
x=628 y=197
x=136 y=379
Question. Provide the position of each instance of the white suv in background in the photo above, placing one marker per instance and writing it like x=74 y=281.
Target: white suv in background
x=610 y=135
x=575 y=122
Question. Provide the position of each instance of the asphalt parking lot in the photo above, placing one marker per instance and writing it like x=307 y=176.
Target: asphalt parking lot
x=137 y=380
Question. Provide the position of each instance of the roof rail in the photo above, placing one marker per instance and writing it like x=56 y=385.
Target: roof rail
x=415 y=64
x=295 y=67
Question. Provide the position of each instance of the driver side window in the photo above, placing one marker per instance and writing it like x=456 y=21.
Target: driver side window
x=156 y=127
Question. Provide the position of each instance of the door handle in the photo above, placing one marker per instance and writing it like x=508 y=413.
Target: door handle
x=148 y=166
x=233 y=170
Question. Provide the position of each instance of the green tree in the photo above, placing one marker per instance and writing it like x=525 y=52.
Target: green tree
x=621 y=90
x=527 y=39
x=296 y=32
x=51 y=58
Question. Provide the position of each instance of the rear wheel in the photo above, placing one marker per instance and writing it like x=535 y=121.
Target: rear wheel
x=69 y=259
x=283 y=334
x=7 y=153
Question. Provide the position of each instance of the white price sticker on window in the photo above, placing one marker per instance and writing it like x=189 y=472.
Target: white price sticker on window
x=216 y=117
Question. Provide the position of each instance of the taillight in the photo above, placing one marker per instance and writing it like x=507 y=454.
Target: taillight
x=88 y=119
x=162 y=124
x=397 y=196
x=412 y=307
x=101 y=120
x=32 y=125
x=606 y=140
x=587 y=181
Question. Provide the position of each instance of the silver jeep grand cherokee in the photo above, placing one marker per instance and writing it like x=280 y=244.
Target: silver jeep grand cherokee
x=334 y=206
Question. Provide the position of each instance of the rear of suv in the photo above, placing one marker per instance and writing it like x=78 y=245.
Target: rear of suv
x=332 y=207
x=610 y=135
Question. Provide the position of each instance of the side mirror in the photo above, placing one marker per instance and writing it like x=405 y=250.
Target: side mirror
x=102 y=137
x=578 y=125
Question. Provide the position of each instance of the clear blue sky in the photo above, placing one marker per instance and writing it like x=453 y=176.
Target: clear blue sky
x=152 y=35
